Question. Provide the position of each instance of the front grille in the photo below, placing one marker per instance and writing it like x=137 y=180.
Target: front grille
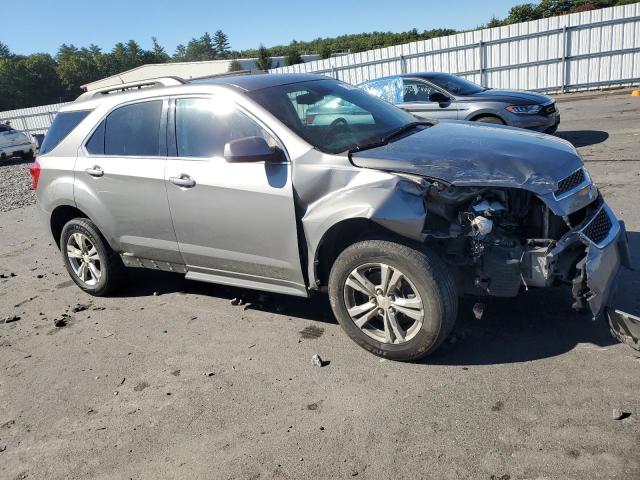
x=548 y=110
x=569 y=183
x=599 y=227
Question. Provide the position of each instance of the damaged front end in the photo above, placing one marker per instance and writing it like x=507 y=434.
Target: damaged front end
x=501 y=241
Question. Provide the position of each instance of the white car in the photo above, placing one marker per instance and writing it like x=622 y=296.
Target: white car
x=14 y=143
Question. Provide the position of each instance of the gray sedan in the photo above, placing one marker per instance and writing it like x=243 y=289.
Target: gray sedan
x=446 y=96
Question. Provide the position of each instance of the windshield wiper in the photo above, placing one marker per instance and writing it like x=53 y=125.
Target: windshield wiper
x=389 y=136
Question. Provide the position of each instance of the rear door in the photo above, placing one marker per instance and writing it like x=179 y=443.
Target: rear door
x=415 y=99
x=235 y=222
x=119 y=181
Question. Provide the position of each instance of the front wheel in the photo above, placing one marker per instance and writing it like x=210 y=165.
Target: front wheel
x=393 y=300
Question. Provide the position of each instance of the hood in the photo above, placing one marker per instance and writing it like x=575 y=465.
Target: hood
x=470 y=153
x=519 y=97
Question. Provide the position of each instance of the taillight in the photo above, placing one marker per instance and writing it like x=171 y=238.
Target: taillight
x=34 y=170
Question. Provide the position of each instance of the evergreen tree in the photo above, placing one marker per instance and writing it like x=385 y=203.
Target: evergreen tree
x=221 y=42
x=324 y=51
x=293 y=56
x=234 y=66
x=4 y=50
x=159 y=53
x=263 y=61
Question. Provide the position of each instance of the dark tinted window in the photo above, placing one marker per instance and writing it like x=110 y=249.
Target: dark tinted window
x=134 y=130
x=455 y=85
x=95 y=145
x=204 y=126
x=62 y=126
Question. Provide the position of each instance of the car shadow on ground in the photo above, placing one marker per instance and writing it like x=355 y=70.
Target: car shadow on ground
x=535 y=325
x=583 y=138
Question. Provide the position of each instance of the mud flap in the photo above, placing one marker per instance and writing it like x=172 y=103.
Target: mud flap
x=625 y=327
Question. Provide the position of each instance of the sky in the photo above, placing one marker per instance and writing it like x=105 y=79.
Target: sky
x=46 y=24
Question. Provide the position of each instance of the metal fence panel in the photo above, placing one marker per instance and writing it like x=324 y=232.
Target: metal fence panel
x=32 y=120
x=579 y=51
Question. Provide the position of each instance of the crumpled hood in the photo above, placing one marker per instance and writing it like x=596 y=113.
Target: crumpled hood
x=470 y=153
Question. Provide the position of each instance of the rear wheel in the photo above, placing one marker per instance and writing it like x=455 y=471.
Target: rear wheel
x=393 y=300
x=28 y=155
x=490 y=119
x=91 y=263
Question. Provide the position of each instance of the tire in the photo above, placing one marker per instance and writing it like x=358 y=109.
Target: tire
x=551 y=130
x=105 y=261
x=490 y=119
x=28 y=156
x=422 y=271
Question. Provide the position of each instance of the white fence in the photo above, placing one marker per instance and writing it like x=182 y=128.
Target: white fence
x=34 y=120
x=579 y=51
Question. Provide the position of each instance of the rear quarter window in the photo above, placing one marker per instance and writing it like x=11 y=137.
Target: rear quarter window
x=62 y=126
x=133 y=130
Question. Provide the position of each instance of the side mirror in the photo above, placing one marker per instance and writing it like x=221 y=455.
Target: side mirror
x=251 y=149
x=439 y=97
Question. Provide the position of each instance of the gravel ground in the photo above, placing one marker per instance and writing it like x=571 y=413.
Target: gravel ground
x=171 y=380
x=15 y=184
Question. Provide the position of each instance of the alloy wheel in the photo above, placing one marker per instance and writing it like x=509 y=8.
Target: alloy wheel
x=383 y=303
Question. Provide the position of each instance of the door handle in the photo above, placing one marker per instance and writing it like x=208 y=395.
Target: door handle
x=183 y=180
x=95 y=171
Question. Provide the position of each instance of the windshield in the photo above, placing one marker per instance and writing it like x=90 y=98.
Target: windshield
x=331 y=115
x=455 y=85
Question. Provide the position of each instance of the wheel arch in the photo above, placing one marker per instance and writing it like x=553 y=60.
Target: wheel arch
x=59 y=218
x=478 y=115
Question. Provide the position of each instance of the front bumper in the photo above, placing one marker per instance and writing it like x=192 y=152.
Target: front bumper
x=539 y=123
x=606 y=251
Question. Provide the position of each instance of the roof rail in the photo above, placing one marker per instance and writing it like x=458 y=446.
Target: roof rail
x=124 y=87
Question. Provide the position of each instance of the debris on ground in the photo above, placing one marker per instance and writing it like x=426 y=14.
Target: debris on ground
x=208 y=374
x=80 y=307
x=140 y=386
x=7 y=275
x=620 y=414
x=478 y=310
x=237 y=301
x=10 y=319
x=155 y=294
x=317 y=361
x=62 y=321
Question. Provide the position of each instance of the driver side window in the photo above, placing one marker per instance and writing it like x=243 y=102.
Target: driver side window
x=416 y=90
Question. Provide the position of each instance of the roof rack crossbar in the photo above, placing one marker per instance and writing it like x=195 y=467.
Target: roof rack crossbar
x=123 y=87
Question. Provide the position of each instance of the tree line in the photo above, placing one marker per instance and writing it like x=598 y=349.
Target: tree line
x=39 y=78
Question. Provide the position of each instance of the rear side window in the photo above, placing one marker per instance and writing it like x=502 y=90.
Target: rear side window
x=132 y=130
x=62 y=126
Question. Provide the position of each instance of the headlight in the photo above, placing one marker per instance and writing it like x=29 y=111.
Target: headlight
x=530 y=109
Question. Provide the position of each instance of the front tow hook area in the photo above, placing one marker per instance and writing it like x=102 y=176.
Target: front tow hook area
x=625 y=327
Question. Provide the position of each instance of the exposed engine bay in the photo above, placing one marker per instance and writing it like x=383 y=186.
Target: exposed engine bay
x=501 y=241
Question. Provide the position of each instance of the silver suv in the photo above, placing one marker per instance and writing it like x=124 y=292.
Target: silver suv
x=226 y=181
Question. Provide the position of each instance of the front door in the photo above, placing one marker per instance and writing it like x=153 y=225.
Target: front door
x=119 y=182
x=235 y=222
x=415 y=100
